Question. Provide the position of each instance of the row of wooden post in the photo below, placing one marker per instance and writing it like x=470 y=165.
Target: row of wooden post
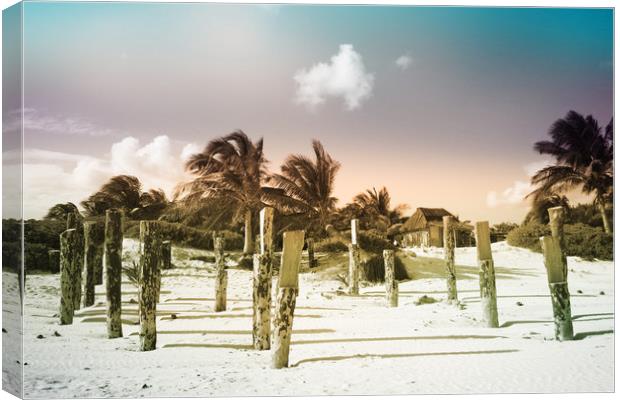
x=554 y=257
x=77 y=248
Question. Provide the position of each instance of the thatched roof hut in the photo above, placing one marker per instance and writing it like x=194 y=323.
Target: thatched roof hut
x=425 y=228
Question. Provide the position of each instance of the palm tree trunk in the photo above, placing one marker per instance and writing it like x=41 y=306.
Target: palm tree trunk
x=248 y=245
x=601 y=208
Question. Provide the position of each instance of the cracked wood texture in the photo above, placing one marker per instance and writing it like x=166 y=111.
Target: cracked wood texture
x=448 y=245
x=555 y=263
x=74 y=221
x=93 y=237
x=113 y=247
x=293 y=244
x=166 y=254
x=556 y=223
x=312 y=262
x=391 y=285
x=262 y=301
x=354 y=268
x=68 y=252
x=221 y=277
x=148 y=284
x=488 y=292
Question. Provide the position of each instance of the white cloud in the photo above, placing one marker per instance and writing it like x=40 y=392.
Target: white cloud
x=515 y=194
x=403 y=62
x=344 y=76
x=37 y=121
x=54 y=177
x=189 y=150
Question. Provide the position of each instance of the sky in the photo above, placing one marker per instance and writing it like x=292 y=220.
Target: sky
x=440 y=105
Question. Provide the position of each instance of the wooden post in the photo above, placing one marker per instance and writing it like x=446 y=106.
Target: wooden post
x=555 y=262
x=75 y=222
x=556 y=223
x=288 y=288
x=166 y=254
x=147 y=288
x=53 y=257
x=261 y=294
x=221 y=278
x=93 y=237
x=391 y=285
x=488 y=293
x=312 y=262
x=266 y=230
x=113 y=247
x=354 y=268
x=448 y=245
x=248 y=244
x=355 y=227
x=99 y=263
x=68 y=250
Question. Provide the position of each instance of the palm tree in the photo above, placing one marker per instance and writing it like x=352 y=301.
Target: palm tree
x=540 y=205
x=125 y=192
x=378 y=204
x=309 y=184
x=59 y=211
x=584 y=159
x=231 y=168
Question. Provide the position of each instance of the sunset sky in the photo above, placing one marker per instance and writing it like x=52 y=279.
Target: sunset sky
x=440 y=105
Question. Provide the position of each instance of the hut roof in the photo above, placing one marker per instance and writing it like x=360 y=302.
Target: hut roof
x=423 y=217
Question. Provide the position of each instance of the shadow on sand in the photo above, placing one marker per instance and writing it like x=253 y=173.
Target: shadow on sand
x=397 y=338
x=583 y=335
x=235 y=332
x=404 y=355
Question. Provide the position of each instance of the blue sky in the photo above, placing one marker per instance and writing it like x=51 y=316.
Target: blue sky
x=449 y=126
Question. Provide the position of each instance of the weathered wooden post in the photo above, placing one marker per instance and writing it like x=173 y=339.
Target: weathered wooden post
x=221 y=277
x=147 y=288
x=354 y=259
x=261 y=294
x=555 y=262
x=448 y=245
x=488 y=294
x=556 y=223
x=166 y=254
x=68 y=252
x=75 y=222
x=93 y=236
x=53 y=257
x=391 y=285
x=113 y=247
x=288 y=288
x=99 y=262
x=312 y=262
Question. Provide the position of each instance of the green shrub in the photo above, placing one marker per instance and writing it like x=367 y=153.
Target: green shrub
x=331 y=245
x=374 y=241
x=373 y=269
x=39 y=237
x=528 y=236
x=580 y=240
x=182 y=235
x=588 y=242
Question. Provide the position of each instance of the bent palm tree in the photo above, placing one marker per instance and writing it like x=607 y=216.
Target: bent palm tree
x=309 y=184
x=584 y=159
x=231 y=168
x=378 y=204
x=125 y=192
x=59 y=211
x=540 y=205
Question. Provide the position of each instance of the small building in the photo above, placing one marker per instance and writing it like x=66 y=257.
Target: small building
x=425 y=228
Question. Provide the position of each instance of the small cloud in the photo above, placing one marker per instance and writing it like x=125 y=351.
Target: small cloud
x=344 y=76
x=515 y=194
x=189 y=150
x=403 y=62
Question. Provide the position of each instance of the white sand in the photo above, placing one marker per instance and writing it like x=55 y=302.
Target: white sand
x=341 y=344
